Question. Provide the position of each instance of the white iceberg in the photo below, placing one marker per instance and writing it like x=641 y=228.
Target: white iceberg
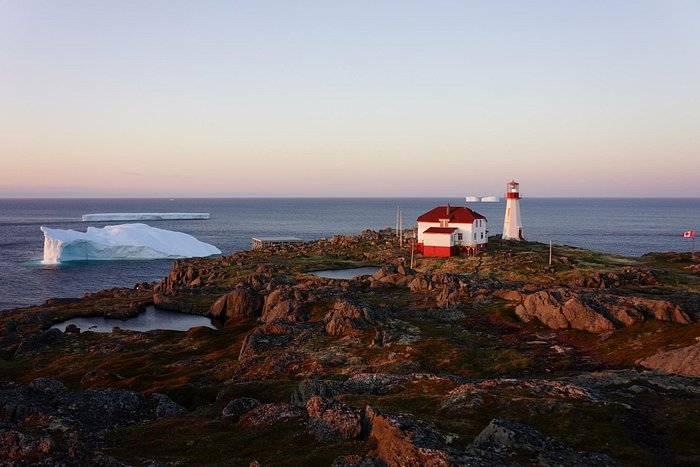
x=144 y=216
x=120 y=242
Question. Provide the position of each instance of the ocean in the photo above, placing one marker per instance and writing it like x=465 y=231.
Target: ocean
x=626 y=226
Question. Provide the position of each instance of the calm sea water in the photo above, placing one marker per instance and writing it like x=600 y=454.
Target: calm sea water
x=623 y=226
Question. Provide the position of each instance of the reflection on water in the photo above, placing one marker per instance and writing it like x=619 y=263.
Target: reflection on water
x=345 y=273
x=150 y=319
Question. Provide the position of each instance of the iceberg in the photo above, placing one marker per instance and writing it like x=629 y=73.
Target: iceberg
x=144 y=216
x=120 y=242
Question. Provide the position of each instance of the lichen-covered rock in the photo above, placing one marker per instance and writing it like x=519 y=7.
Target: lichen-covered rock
x=332 y=420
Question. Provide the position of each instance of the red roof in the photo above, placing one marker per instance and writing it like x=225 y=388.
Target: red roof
x=441 y=230
x=455 y=214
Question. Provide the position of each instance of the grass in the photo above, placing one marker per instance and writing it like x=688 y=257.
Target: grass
x=203 y=441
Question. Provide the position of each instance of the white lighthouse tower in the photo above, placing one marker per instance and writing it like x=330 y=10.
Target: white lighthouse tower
x=512 y=225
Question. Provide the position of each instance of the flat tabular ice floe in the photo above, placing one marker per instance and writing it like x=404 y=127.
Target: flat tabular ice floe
x=120 y=242
x=144 y=216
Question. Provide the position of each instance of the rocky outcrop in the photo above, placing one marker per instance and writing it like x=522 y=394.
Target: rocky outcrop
x=404 y=441
x=29 y=415
x=348 y=318
x=362 y=383
x=283 y=304
x=165 y=302
x=597 y=313
x=604 y=280
x=333 y=421
x=472 y=394
x=241 y=302
x=683 y=361
x=560 y=309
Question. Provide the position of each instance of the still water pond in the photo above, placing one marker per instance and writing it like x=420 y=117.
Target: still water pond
x=345 y=273
x=150 y=319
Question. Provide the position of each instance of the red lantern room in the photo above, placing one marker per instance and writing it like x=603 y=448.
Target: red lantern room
x=513 y=190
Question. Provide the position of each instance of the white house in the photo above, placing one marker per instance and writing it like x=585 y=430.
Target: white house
x=450 y=231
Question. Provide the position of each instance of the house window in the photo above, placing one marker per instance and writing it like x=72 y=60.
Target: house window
x=474 y=235
x=444 y=222
x=482 y=235
x=459 y=237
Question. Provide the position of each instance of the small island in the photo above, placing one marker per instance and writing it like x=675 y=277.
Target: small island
x=502 y=358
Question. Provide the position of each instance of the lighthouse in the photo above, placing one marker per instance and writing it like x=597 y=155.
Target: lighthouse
x=512 y=225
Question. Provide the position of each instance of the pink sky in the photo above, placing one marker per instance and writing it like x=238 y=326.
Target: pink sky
x=349 y=98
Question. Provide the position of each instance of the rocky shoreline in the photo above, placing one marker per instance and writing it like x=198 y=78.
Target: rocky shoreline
x=499 y=359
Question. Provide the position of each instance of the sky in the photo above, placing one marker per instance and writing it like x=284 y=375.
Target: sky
x=168 y=98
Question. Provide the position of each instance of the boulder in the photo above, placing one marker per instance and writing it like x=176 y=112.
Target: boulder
x=282 y=304
x=348 y=318
x=331 y=420
x=241 y=302
x=239 y=407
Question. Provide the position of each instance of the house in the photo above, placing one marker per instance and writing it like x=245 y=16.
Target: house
x=451 y=231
